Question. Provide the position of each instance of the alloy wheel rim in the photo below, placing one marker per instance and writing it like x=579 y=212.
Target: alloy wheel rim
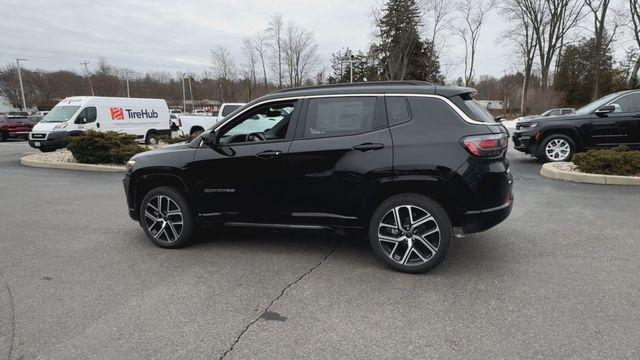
x=557 y=149
x=163 y=219
x=409 y=235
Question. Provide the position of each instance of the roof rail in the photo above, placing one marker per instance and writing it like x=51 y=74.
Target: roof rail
x=357 y=84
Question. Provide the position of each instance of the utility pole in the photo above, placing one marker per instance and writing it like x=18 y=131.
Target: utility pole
x=190 y=92
x=85 y=63
x=24 y=102
x=128 y=92
x=184 y=96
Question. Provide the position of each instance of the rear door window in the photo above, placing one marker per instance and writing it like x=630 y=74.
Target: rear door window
x=340 y=116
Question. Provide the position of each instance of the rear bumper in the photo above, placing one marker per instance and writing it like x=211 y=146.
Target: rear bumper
x=481 y=220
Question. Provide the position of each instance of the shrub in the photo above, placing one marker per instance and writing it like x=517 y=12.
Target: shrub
x=179 y=139
x=103 y=147
x=616 y=161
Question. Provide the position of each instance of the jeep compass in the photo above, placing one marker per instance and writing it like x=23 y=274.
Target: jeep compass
x=410 y=163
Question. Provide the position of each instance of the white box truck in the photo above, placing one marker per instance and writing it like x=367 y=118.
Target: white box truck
x=145 y=118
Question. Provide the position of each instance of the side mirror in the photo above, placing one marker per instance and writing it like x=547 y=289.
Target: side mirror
x=80 y=120
x=605 y=110
x=497 y=119
x=210 y=138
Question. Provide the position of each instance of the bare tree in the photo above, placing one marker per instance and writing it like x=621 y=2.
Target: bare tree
x=224 y=70
x=260 y=44
x=249 y=51
x=300 y=53
x=551 y=21
x=473 y=14
x=275 y=30
x=438 y=14
x=521 y=33
x=634 y=12
x=604 y=33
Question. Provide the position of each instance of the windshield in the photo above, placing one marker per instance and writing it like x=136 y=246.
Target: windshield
x=60 y=114
x=589 y=108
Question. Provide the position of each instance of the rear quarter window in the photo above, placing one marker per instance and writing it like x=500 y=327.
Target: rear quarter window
x=397 y=110
x=472 y=108
x=433 y=114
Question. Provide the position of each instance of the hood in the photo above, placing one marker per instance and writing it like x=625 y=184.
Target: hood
x=525 y=118
x=549 y=119
x=164 y=149
x=46 y=126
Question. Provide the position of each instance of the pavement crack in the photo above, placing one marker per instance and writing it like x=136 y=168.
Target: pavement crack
x=12 y=324
x=250 y=324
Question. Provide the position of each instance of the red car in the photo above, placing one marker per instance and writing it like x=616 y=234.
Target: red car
x=14 y=127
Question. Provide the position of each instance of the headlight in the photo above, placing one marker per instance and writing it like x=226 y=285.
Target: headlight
x=130 y=165
x=526 y=125
x=61 y=126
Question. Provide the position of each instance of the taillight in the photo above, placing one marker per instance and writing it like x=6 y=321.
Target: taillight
x=486 y=146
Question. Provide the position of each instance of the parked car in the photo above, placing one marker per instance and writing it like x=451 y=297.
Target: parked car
x=147 y=119
x=550 y=112
x=610 y=121
x=195 y=124
x=409 y=162
x=175 y=111
x=13 y=126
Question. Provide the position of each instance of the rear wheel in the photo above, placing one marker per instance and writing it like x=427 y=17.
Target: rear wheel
x=166 y=217
x=196 y=130
x=48 y=149
x=151 y=138
x=556 y=148
x=410 y=233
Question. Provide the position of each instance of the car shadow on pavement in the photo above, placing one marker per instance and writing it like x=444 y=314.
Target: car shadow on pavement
x=472 y=255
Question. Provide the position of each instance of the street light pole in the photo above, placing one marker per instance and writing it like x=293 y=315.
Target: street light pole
x=351 y=67
x=24 y=102
x=190 y=92
x=128 y=91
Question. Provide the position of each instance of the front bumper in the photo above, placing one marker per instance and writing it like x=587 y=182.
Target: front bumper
x=54 y=139
x=525 y=141
x=482 y=220
x=133 y=214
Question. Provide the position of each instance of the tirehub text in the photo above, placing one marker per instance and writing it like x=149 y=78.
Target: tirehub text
x=141 y=114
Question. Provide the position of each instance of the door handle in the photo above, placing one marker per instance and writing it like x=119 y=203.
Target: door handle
x=368 y=147
x=269 y=154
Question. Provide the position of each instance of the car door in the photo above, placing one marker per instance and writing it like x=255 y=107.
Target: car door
x=242 y=176
x=86 y=119
x=627 y=118
x=341 y=147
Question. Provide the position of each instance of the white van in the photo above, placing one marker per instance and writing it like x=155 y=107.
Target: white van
x=144 y=118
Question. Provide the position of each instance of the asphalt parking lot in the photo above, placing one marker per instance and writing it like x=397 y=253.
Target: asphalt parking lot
x=559 y=279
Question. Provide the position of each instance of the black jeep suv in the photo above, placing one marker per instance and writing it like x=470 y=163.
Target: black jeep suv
x=411 y=163
x=610 y=121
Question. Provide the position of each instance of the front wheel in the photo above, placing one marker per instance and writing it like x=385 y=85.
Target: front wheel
x=556 y=148
x=410 y=233
x=166 y=217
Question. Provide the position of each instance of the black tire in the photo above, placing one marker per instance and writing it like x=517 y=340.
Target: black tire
x=196 y=130
x=3 y=136
x=557 y=156
x=163 y=234
x=151 y=138
x=48 y=149
x=420 y=263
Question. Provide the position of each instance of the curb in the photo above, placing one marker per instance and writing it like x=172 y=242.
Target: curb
x=555 y=171
x=26 y=161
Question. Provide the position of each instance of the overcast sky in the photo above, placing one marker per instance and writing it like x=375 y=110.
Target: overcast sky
x=176 y=36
